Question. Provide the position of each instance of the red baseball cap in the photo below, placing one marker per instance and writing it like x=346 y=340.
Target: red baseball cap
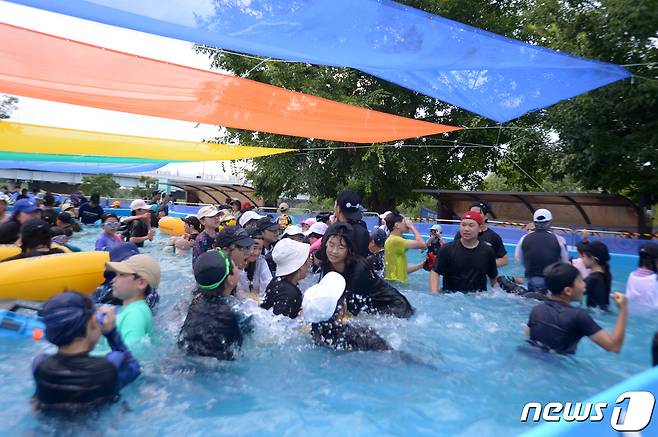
x=473 y=216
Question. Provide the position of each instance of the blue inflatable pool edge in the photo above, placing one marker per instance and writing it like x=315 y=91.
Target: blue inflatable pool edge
x=646 y=381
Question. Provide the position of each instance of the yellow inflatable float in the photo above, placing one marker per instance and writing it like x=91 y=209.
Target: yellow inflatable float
x=41 y=277
x=9 y=250
x=173 y=226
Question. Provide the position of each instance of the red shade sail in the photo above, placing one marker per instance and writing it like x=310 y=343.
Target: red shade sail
x=42 y=66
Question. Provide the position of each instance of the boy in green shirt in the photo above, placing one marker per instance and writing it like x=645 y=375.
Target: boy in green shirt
x=395 y=248
x=135 y=278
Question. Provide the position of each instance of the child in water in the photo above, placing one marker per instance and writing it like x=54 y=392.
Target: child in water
x=71 y=380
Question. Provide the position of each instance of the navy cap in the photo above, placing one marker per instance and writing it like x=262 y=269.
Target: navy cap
x=123 y=251
x=65 y=316
x=25 y=205
x=378 y=236
x=234 y=235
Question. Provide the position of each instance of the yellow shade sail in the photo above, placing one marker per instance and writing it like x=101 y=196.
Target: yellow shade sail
x=18 y=138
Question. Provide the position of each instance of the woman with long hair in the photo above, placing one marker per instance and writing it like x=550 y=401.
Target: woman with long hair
x=599 y=282
x=364 y=291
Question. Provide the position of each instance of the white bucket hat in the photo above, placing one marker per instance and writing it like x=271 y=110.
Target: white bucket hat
x=289 y=255
x=317 y=228
x=320 y=300
x=248 y=216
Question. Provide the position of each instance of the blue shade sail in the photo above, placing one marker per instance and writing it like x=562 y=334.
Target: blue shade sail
x=485 y=73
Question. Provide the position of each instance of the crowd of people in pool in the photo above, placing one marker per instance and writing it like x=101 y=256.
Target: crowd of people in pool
x=238 y=254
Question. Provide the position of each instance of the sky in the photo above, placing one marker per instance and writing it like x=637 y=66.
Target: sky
x=54 y=114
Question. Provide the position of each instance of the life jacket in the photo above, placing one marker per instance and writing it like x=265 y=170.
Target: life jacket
x=284 y=221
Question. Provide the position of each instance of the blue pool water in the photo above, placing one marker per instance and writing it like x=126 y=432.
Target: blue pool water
x=464 y=370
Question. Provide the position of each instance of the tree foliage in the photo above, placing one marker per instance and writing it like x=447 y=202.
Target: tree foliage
x=581 y=137
x=7 y=106
x=102 y=184
x=146 y=186
x=608 y=138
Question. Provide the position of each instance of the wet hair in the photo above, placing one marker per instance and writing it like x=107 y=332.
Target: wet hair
x=581 y=247
x=560 y=275
x=35 y=233
x=393 y=218
x=345 y=232
x=49 y=200
x=56 y=231
x=648 y=256
x=605 y=264
x=96 y=198
x=107 y=216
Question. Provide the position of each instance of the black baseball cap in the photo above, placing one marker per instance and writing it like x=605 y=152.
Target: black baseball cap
x=234 y=235
x=192 y=221
x=350 y=204
x=378 y=236
x=266 y=223
x=35 y=229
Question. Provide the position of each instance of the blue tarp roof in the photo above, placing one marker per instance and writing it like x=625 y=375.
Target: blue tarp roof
x=479 y=71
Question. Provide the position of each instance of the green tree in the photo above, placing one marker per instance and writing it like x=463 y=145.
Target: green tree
x=608 y=138
x=7 y=106
x=385 y=174
x=102 y=184
x=146 y=186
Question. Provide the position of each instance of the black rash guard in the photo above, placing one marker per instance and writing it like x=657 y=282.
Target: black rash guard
x=211 y=328
x=283 y=297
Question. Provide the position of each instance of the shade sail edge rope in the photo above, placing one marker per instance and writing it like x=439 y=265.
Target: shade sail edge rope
x=34 y=139
x=83 y=74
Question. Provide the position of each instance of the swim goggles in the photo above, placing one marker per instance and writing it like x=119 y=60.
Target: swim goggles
x=112 y=224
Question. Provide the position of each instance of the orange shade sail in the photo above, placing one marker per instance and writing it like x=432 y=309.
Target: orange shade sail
x=42 y=66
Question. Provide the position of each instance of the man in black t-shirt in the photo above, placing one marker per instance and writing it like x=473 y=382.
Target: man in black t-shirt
x=91 y=211
x=465 y=263
x=489 y=236
x=555 y=325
